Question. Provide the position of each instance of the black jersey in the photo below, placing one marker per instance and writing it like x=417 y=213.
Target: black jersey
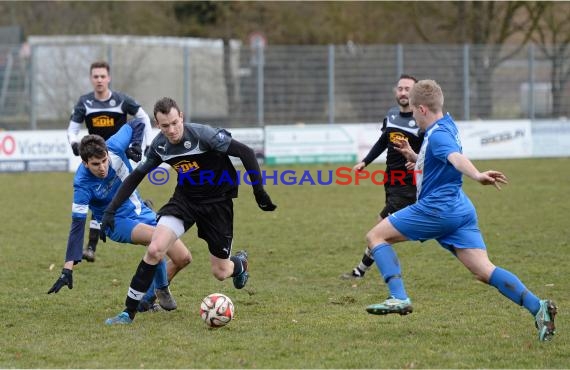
x=104 y=117
x=396 y=125
x=205 y=172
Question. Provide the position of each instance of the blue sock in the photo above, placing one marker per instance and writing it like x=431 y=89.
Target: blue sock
x=389 y=267
x=160 y=280
x=511 y=287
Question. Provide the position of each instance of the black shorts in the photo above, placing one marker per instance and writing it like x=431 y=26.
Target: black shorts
x=398 y=198
x=215 y=221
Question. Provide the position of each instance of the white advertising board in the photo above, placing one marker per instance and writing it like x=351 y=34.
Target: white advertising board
x=308 y=144
x=496 y=139
x=365 y=135
x=551 y=138
x=252 y=137
x=35 y=151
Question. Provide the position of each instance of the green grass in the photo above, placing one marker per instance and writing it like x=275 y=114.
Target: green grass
x=295 y=312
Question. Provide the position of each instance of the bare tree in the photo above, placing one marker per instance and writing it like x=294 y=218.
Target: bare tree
x=553 y=38
x=224 y=20
x=490 y=26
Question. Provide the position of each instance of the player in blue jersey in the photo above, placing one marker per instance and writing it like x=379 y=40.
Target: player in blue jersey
x=400 y=187
x=104 y=113
x=207 y=183
x=103 y=169
x=444 y=212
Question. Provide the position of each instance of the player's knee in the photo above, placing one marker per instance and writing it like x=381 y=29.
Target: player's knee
x=154 y=252
x=373 y=238
x=184 y=261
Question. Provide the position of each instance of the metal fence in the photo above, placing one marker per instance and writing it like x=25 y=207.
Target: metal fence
x=14 y=87
x=239 y=85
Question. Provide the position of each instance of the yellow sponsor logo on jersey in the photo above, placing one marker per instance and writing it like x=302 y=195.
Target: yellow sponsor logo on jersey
x=103 y=121
x=185 y=166
x=397 y=136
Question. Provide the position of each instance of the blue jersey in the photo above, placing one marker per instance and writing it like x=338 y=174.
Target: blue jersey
x=439 y=183
x=91 y=192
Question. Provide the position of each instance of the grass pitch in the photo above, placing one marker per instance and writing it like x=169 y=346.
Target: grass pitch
x=295 y=312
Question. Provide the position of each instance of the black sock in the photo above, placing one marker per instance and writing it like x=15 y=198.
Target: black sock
x=139 y=285
x=367 y=261
x=93 y=239
x=238 y=265
x=131 y=314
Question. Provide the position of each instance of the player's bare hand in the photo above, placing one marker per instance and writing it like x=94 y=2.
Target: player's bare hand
x=494 y=178
x=404 y=148
x=410 y=166
x=359 y=166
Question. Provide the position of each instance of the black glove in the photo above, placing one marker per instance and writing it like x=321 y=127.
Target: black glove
x=134 y=152
x=75 y=149
x=263 y=201
x=66 y=278
x=108 y=221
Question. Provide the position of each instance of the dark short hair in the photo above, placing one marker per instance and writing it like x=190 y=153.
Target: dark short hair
x=407 y=77
x=164 y=105
x=100 y=64
x=92 y=146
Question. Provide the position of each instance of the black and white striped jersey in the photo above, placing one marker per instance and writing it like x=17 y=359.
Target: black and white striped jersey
x=396 y=125
x=104 y=117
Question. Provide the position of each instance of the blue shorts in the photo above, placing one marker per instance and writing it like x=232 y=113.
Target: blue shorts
x=124 y=225
x=451 y=231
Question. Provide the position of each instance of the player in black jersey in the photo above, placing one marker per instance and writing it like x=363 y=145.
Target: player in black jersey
x=207 y=184
x=400 y=186
x=104 y=113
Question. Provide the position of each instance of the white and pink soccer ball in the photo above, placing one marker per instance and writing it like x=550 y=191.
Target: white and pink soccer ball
x=217 y=310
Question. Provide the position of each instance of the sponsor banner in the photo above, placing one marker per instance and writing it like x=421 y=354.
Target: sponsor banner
x=365 y=135
x=47 y=165
x=309 y=144
x=18 y=145
x=35 y=165
x=308 y=159
x=551 y=138
x=480 y=139
x=496 y=139
x=252 y=137
x=34 y=151
x=12 y=166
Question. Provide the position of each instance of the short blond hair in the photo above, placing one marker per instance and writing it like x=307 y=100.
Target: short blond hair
x=427 y=93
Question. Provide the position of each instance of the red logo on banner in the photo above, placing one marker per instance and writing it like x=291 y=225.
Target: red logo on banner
x=7 y=145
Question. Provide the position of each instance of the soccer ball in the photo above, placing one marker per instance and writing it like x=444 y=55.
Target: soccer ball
x=217 y=310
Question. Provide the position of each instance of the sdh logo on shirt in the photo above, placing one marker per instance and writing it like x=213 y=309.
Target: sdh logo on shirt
x=185 y=166
x=103 y=121
x=397 y=136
